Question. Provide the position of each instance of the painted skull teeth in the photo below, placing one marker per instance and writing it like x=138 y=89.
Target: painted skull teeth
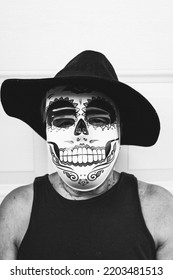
x=82 y=156
x=82 y=132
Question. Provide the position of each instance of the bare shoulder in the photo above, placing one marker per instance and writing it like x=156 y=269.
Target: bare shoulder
x=155 y=193
x=17 y=200
x=157 y=207
x=14 y=217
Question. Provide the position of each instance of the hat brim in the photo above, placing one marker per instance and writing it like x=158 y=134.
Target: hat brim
x=22 y=98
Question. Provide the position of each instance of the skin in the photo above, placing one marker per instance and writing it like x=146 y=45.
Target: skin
x=156 y=204
x=15 y=214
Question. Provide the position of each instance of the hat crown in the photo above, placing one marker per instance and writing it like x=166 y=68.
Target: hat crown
x=91 y=64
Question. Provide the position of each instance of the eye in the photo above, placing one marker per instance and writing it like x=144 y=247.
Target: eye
x=99 y=121
x=62 y=123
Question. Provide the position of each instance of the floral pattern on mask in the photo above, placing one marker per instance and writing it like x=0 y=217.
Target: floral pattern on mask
x=85 y=151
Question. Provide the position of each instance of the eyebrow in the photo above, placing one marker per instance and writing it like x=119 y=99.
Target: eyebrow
x=63 y=109
x=96 y=110
x=62 y=112
x=100 y=103
x=59 y=104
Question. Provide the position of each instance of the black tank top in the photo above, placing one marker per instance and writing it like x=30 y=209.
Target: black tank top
x=110 y=226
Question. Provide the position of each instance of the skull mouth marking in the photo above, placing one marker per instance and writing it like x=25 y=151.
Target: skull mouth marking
x=85 y=155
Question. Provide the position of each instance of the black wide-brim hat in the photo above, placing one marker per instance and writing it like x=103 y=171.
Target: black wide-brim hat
x=22 y=98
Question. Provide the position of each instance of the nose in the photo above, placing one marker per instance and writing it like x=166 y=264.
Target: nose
x=81 y=128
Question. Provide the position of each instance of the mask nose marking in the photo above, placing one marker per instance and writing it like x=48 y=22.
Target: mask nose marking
x=81 y=128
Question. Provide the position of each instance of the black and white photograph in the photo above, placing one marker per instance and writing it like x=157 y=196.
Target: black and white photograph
x=86 y=168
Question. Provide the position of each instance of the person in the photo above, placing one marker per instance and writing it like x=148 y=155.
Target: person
x=85 y=209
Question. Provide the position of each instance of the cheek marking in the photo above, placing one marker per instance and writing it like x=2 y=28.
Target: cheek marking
x=56 y=149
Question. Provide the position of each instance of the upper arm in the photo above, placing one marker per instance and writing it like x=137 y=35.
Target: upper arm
x=165 y=249
x=164 y=226
x=14 y=212
x=8 y=248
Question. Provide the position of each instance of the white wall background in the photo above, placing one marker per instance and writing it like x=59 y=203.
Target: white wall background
x=37 y=39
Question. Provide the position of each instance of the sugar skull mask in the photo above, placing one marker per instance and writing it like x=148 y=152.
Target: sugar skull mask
x=83 y=135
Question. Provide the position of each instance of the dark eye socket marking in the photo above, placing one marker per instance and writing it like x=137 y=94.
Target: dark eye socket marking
x=105 y=106
x=61 y=117
x=97 y=117
x=63 y=123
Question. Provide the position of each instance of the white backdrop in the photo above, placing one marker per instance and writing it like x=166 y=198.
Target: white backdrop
x=39 y=37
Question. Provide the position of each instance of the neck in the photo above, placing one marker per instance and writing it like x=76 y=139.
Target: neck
x=69 y=193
